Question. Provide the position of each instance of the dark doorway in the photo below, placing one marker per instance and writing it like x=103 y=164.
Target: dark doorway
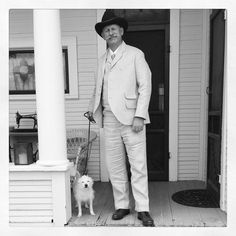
x=215 y=92
x=149 y=31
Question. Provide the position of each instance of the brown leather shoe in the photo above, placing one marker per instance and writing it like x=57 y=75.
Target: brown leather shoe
x=145 y=217
x=120 y=214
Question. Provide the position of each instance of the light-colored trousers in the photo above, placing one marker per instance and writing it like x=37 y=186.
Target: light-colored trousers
x=119 y=137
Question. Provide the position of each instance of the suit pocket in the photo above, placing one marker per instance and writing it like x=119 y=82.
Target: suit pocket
x=131 y=101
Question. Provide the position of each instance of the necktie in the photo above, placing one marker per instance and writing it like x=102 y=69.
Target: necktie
x=113 y=56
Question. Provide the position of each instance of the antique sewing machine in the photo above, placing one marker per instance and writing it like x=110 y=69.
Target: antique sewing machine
x=19 y=117
x=23 y=148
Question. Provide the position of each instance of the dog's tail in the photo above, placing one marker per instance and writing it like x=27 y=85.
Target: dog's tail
x=74 y=175
x=77 y=175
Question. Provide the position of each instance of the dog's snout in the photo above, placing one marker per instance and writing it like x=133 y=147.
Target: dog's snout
x=86 y=185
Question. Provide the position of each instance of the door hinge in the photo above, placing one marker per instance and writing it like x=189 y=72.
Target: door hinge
x=220 y=178
x=168 y=48
x=225 y=14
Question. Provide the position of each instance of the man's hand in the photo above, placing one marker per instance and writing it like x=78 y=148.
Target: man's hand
x=89 y=115
x=138 y=124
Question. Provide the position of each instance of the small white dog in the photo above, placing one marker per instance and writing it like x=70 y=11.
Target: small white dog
x=83 y=192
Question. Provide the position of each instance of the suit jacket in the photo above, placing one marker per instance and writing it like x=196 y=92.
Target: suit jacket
x=129 y=86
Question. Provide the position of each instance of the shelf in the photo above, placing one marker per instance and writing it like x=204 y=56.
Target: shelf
x=23 y=132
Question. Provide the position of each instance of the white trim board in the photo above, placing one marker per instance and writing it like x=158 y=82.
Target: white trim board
x=204 y=96
x=223 y=179
x=173 y=94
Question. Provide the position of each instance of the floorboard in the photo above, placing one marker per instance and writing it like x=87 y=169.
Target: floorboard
x=179 y=212
x=160 y=204
x=194 y=212
x=163 y=209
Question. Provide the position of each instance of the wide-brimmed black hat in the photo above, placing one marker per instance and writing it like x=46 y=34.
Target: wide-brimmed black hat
x=109 y=18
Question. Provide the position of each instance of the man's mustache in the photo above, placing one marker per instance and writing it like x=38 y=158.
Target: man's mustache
x=111 y=37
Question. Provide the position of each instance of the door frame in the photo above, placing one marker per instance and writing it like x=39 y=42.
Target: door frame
x=204 y=114
x=223 y=154
x=223 y=179
x=174 y=93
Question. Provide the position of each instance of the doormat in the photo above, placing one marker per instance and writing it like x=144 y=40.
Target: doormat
x=195 y=198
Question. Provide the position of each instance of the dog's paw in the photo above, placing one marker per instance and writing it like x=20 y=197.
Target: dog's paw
x=92 y=213
x=79 y=215
x=86 y=205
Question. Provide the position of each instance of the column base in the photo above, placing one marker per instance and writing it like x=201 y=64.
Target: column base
x=52 y=191
x=52 y=163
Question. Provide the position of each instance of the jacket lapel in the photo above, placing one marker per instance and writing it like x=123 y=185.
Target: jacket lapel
x=119 y=55
x=104 y=62
x=101 y=72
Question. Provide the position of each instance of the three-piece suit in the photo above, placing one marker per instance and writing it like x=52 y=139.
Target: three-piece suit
x=122 y=92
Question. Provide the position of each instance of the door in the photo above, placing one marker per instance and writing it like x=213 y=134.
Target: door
x=215 y=92
x=151 y=35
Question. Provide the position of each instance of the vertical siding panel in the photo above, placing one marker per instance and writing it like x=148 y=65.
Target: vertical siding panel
x=79 y=23
x=190 y=82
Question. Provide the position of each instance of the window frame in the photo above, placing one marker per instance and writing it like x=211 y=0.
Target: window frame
x=68 y=42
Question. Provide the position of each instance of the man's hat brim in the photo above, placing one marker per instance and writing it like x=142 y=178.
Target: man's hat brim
x=114 y=21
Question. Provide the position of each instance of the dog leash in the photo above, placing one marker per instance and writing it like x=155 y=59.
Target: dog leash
x=91 y=120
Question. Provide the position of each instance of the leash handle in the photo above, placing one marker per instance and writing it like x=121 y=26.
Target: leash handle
x=89 y=116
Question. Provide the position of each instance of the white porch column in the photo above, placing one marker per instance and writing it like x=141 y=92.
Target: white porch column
x=49 y=88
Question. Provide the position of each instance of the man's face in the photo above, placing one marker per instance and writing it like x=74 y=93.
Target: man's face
x=113 y=34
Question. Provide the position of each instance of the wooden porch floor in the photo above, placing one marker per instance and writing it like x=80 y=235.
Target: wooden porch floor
x=164 y=211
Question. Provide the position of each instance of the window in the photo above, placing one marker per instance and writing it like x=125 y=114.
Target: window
x=22 y=72
x=21 y=68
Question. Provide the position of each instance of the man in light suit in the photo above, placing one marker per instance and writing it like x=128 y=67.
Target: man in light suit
x=120 y=100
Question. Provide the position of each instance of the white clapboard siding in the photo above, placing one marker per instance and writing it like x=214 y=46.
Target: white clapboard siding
x=190 y=81
x=84 y=37
x=71 y=13
x=30 y=199
x=87 y=65
x=30 y=219
x=78 y=23
x=190 y=31
x=85 y=51
x=27 y=206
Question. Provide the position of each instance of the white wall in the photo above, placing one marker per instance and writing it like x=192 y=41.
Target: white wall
x=80 y=24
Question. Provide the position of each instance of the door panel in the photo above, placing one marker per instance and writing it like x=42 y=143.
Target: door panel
x=154 y=44
x=215 y=102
